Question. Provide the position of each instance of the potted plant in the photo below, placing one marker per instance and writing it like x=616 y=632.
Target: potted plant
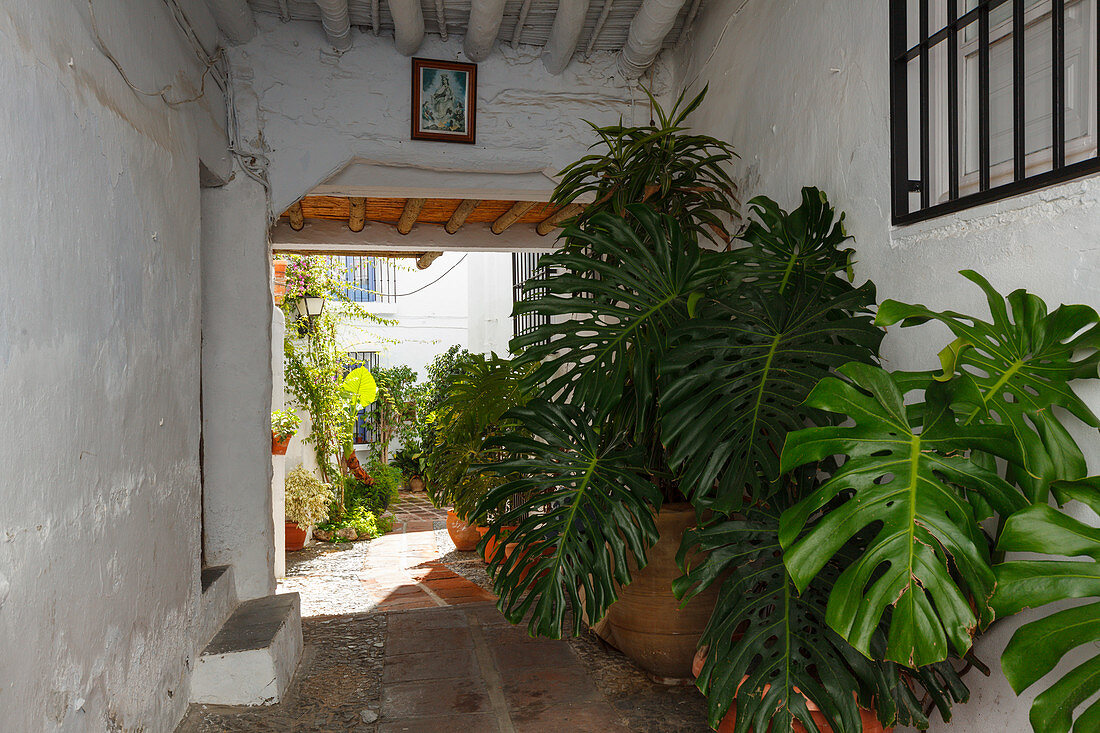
x=481 y=393
x=284 y=424
x=666 y=380
x=307 y=502
x=410 y=460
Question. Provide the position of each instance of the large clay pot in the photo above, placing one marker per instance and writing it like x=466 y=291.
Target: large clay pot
x=728 y=724
x=295 y=536
x=463 y=534
x=493 y=544
x=416 y=484
x=646 y=623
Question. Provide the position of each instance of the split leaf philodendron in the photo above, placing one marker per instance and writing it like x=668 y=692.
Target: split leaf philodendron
x=920 y=472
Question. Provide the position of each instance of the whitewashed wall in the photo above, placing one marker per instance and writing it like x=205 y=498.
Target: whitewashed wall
x=801 y=89
x=318 y=110
x=99 y=366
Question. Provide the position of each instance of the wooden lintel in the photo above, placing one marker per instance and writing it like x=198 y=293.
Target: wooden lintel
x=424 y=261
x=458 y=218
x=358 y=217
x=410 y=214
x=297 y=218
x=551 y=222
x=511 y=216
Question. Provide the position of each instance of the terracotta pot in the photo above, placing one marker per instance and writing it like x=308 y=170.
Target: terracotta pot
x=512 y=558
x=646 y=623
x=491 y=546
x=278 y=447
x=295 y=536
x=416 y=483
x=463 y=534
x=279 y=286
x=728 y=724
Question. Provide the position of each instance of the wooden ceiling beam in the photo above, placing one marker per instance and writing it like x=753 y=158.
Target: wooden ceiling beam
x=511 y=216
x=458 y=218
x=410 y=214
x=551 y=222
x=357 y=219
x=297 y=218
x=424 y=261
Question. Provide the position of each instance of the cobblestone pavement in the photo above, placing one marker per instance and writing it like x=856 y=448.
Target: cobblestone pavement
x=400 y=635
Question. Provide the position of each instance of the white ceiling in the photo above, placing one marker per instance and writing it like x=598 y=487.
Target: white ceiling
x=535 y=30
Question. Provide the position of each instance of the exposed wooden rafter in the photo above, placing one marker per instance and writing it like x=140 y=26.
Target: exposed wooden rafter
x=551 y=222
x=424 y=261
x=410 y=215
x=511 y=216
x=357 y=217
x=297 y=218
x=461 y=214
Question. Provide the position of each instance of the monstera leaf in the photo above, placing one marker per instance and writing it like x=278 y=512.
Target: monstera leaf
x=584 y=507
x=769 y=648
x=1021 y=365
x=624 y=292
x=739 y=381
x=1037 y=647
x=801 y=245
x=929 y=558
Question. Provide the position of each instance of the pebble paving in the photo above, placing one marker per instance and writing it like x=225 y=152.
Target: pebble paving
x=401 y=636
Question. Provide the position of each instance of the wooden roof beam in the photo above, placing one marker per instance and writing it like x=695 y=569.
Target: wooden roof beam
x=408 y=25
x=483 y=28
x=458 y=218
x=358 y=217
x=297 y=218
x=512 y=215
x=410 y=214
x=551 y=222
x=565 y=34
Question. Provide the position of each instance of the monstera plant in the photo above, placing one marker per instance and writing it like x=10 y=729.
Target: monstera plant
x=902 y=512
x=670 y=372
x=482 y=390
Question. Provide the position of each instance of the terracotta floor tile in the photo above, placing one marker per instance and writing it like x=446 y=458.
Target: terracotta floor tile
x=426 y=640
x=436 y=698
x=442 y=724
x=434 y=665
x=521 y=655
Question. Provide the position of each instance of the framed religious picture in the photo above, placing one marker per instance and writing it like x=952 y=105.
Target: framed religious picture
x=444 y=101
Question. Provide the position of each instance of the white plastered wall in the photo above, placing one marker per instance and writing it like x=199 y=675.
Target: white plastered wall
x=801 y=89
x=237 y=385
x=99 y=366
x=318 y=110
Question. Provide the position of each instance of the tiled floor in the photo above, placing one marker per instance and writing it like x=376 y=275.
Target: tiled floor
x=398 y=643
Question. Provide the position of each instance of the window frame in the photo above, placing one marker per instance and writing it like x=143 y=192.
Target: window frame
x=1069 y=160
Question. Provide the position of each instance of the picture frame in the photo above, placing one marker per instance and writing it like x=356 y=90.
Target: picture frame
x=444 y=101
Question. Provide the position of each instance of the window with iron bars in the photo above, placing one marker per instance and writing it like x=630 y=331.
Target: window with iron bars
x=372 y=279
x=525 y=267
x=366 y=425
x=989 y=99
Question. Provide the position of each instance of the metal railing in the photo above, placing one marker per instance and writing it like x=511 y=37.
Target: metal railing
x=372 y=279
x=366 y=425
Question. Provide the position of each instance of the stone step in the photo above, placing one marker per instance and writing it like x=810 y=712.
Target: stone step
x=219 y=598
x=252 y=659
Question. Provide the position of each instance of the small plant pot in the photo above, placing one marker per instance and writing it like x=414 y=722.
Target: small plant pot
x=278 y=447
x=870 y=721
x=279 y=285
x=463 y=534
x=295 y=537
